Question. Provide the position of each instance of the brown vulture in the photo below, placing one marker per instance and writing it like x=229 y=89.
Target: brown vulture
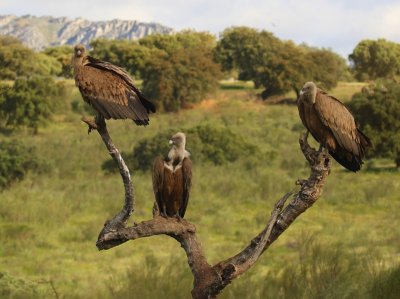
x=172 y=179
x=109 y=89
x=333 y=126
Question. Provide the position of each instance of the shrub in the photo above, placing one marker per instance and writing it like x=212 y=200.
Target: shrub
x=377 y=108
x=15 y=162
x=206 y=143
x=31 y=101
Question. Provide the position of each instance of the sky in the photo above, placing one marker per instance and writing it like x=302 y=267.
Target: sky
x=335 y=24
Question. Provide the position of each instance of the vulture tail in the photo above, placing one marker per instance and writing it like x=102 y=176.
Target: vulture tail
x=347 y=159
x=365 y=142
x=350 y=160
x=148 y=105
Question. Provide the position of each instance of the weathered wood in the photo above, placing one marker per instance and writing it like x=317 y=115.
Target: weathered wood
x=210 y=280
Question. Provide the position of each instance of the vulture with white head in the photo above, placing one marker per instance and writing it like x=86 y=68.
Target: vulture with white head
x=109 y=89
x=172 y=178
x=333 y=126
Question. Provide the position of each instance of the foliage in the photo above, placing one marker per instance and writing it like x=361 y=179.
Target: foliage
x=377 y=108
x=15 y=161
x=17 y=288
x=278 y=66
x=180 y=70
x=31 y=101
x=177 y=70
x=17 y=60
x=63 y=55
x=373 y=59
x=205 y=143
x=327 y=67
x=49 y=223
x=124 y=53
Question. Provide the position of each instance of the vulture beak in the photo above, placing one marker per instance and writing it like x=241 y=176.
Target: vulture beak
x=301 y=92
x=78 y=53
x=171 y=142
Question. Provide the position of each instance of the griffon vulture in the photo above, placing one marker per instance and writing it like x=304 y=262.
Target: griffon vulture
x=109 y=89
x=333 y=126
x=172 y=179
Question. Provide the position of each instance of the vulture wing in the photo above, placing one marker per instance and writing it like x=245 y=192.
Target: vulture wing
x=110 y=90
x=158 y=181
x=187 y=184
x=340 y=121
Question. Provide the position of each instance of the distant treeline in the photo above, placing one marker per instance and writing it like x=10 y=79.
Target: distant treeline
x=181 y=69
x=178 y=70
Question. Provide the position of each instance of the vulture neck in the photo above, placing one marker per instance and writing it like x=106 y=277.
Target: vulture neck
x=312 y=96
x=77 y=62
x=176 y=155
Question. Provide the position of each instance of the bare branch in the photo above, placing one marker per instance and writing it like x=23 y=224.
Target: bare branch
x=120 y=220
x=209 y=280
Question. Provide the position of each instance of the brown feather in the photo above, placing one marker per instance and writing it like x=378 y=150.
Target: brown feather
x=332 y=125
x=111 y=91
x=187 y=184
x=172 y=188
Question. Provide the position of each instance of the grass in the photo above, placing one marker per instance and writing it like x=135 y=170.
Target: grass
x=49 y=223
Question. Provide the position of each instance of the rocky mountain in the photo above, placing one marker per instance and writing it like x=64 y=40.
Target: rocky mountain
x=42 y=32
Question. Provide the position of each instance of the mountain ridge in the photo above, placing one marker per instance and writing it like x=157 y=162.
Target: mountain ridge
x=47 y=31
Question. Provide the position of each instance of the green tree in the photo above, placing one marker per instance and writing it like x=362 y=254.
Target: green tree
x=17 y=60
x=63 y=55
x=30 y=101
x=179 y=69
x=278 y=66
x=373 y=59
x=246 y=50
x=327 y=66
x=127 y=54
x=377 y=108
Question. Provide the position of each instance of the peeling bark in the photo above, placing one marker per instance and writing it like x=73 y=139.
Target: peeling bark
x=210 y=280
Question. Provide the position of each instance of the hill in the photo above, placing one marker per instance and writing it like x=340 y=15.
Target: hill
x=42 y=32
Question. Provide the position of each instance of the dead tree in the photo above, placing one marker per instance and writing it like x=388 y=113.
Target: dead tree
x=210 y=280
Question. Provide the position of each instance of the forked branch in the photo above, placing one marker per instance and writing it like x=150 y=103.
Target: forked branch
x=210 y=280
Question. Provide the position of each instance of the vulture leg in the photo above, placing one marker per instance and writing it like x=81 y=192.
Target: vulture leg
x=163 y=211
x=99 y=119
x=177 y=216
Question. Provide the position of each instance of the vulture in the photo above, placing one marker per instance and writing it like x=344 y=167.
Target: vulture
x=109 y=89
x=172 y=179
x=333 y=126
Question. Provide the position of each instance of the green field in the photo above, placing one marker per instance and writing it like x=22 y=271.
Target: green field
x=347 y=245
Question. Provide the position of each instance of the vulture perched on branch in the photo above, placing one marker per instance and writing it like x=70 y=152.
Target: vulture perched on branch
x=333 y=126
x=109 y=89
x=172 y=179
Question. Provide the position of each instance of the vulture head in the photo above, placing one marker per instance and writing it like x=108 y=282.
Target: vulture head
x=178 y=140
x=309 y=92
x=79 y=51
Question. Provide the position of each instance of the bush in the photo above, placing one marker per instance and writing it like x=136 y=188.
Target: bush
x=217 y=145
x=15 y=162
x=31 y=101
x=377 y=108
x=17 y=60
